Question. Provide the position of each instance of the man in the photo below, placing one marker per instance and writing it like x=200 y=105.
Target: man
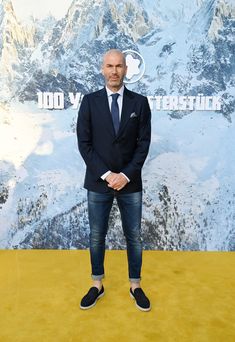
x=113 y=137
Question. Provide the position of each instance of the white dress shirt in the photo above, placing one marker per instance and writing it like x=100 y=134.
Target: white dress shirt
x=119 y=101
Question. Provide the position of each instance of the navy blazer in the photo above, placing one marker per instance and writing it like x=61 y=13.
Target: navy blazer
x=103 y=150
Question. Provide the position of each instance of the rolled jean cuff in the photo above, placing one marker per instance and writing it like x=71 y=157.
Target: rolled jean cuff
x=135 y=280
x=97 y=277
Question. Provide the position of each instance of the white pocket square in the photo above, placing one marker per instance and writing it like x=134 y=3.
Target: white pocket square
x=133 y=115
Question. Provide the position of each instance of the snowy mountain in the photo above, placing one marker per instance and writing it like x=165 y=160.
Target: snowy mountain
x=73 y=50
x=16 y=46
x=180 y=44
x=188 y=48
x=212 y=58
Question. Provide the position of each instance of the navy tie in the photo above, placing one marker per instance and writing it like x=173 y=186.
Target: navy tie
x=115 y=111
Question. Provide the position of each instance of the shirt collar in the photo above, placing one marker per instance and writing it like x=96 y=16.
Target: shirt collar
x=110 y=92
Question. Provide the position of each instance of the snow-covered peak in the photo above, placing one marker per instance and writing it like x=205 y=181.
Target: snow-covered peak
x=208 y=20
x=6 y=4
x=171 y=12
x=10 y=28
x=6 y=10
x=88 y=19
x=14 y=43
x=202 y=19
x=223 y=8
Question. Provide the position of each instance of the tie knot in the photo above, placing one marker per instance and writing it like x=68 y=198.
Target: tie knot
x=115 y=96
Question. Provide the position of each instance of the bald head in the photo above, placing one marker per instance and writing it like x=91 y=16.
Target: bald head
x=114 y=52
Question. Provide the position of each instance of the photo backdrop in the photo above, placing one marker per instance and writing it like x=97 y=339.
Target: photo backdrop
x=181 y=55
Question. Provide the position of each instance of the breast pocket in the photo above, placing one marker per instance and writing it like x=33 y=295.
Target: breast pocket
x=133 y=121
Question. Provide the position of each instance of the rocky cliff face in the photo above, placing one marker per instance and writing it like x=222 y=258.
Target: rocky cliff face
x=16 y=47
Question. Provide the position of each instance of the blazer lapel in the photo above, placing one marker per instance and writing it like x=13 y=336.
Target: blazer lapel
x=127 y=108
x=104 y=110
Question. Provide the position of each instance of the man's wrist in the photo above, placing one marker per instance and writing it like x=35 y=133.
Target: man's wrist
x=125 y=177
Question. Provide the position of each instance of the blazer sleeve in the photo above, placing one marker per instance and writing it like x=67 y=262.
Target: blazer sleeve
x=143 y=142
x=84 y=136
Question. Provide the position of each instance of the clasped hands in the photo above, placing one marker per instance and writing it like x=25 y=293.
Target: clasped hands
x=116 y=181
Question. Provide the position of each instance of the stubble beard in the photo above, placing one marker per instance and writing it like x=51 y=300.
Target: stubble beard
x=116 y=84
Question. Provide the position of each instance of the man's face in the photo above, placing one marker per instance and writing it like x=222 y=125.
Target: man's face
x=114 y=70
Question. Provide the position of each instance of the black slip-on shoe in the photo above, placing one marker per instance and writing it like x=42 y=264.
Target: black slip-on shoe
x=141 y=301
x=90 y=299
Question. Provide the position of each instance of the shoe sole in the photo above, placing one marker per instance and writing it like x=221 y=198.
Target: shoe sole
x=139 y=307
x=91 y=306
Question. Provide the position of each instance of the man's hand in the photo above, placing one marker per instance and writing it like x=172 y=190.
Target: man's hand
x=116 y=181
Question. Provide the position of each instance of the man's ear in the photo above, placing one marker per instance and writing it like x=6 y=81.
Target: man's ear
x=126 y=70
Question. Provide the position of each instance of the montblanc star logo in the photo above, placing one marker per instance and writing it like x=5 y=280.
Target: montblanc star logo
x=135 y=66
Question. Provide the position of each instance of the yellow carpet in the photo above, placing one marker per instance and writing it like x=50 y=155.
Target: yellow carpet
x=192 y=295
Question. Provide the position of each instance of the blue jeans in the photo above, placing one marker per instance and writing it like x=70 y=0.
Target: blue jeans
x=130 y=207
